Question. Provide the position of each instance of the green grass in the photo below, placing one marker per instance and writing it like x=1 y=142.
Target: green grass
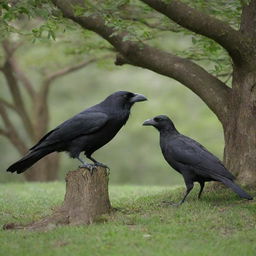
x=219 y=224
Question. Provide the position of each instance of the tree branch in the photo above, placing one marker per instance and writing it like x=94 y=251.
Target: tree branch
x=11 y=133
x=67 y=70
x=211 y=90
x=10 y=49
x=7 y=104
x=19 y=105
x=8 y=71
x=3 y=132
x=202 y=24
x=51 y=77
x=24 y=80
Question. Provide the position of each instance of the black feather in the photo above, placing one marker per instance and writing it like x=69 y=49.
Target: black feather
x=27 y=161
x=236 y=188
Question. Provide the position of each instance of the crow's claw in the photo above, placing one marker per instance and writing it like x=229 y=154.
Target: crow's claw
x=90 y=167
x=102 y=165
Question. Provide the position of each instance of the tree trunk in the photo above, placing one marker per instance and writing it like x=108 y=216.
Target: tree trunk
x=44 y=170
x=240 y=127
x=47 y=168
x=85 y=200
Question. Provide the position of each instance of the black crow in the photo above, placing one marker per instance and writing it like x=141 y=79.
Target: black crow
x=191 y=159
x=85 y=132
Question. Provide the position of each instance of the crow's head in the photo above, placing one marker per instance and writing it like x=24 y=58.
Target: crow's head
x=161 y=123
x=125 y=99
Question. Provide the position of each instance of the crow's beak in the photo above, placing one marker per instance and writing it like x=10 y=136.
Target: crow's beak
x=137 y=98
x=149 y=122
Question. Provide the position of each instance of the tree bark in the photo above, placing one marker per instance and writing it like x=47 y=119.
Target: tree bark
x=240 y=128
x=85 y=200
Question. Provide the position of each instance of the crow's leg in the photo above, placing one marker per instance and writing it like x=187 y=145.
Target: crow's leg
x=90 y=167
x=201 y=188
x=98 y=163
x=189 y=186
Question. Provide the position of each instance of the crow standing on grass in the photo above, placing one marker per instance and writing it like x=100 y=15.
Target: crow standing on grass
x=85 y=132
x=191 y=159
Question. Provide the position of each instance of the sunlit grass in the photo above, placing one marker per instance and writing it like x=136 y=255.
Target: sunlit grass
x=219 y=224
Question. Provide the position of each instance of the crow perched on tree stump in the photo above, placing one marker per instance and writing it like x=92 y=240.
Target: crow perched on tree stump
x=86 y=199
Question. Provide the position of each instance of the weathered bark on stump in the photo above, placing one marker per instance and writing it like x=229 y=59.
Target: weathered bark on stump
x=85 y=200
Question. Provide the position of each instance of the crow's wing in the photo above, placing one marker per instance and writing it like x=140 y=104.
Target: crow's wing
x=81 y=124
x=189 y=152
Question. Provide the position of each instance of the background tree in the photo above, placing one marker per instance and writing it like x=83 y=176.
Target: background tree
x=29 y=96
x=234 y=106
x=36 y=120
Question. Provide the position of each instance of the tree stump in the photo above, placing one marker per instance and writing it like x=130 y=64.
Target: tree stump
x=86 y=198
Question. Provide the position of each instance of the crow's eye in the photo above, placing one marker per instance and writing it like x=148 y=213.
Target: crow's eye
x=158 y=119
x=128 y=95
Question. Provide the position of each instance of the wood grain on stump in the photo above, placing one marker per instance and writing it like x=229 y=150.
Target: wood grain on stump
x=86 y=198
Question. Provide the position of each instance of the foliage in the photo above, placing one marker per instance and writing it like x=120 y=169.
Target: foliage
x=207 y=50
x=219 y=223
x=38 y=20
x=142 y=23
x=25 y=10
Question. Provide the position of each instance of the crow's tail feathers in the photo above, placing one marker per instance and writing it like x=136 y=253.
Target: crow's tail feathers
x=27 y=161
x=229 y=183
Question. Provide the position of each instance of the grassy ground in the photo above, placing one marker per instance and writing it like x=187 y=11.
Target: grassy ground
x=219 y=224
